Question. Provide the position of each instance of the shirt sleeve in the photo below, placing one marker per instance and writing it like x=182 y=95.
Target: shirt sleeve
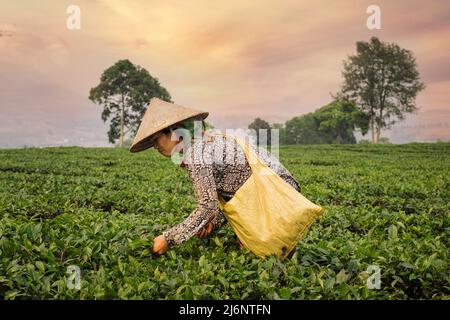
x=207 y=207
x=291 y=180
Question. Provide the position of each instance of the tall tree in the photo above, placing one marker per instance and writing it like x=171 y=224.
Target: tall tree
x=382 y=79
x=124 y=91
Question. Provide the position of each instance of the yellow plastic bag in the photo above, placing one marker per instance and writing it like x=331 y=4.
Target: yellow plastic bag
x=267 y=214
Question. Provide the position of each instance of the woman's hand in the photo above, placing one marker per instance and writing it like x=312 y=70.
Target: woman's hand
x=160 y=245
x=205 y=231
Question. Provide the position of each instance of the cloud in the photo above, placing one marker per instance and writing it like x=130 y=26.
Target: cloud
x=238 y=60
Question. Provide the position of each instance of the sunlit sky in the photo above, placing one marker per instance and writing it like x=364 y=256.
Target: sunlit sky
x=236 y=59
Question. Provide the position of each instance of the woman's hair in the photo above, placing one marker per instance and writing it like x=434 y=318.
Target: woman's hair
x=187 y=124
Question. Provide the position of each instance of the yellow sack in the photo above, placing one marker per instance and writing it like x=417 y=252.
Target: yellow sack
x=267 y=214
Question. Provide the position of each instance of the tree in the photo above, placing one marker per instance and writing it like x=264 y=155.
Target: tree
x=303 y=130
x=258 y=124
x=338 y=120
x=332 y=123
x=124 y=91
x=382 y=79
x=281 y=132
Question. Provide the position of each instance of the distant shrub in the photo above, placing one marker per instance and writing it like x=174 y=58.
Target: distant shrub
x=384 y=140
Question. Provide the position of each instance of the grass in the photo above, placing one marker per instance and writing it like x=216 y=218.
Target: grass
x=99 y=209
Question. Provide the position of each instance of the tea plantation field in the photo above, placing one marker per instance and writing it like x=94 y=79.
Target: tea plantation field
x=99 y=209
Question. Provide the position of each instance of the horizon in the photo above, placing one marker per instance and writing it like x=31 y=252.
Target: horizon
x=275 y=61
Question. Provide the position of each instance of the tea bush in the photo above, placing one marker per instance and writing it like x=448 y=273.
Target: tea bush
x=100 y=208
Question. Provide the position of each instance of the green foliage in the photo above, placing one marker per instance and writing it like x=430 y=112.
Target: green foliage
x=384 y=140
x=333 y=123
x=303 y=130
x=282 y=136
x=383 y=80
x=260 y=124
x=99 y=209
x=124 y=92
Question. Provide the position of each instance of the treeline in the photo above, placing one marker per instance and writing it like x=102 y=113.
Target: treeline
x=380 y=84
x=335 y=122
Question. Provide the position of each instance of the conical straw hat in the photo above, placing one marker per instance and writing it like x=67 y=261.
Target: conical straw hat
x=161 y=114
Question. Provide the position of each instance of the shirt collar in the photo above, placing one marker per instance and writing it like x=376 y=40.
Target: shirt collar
x=205 y=138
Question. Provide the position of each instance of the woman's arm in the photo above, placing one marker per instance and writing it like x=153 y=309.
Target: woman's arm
x=207 y=209
x=216 y=222
x=289 y=178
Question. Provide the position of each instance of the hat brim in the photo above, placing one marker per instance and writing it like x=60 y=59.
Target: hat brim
x=148 y=142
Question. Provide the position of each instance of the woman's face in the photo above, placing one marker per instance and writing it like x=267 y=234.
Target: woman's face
x=164 y=144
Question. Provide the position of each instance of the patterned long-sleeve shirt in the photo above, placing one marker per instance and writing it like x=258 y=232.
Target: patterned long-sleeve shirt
x=217 y=167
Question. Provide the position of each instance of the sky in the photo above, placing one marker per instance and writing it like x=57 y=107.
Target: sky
x=236 y=59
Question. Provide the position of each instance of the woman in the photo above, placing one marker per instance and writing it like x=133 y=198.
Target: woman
x=216 y=165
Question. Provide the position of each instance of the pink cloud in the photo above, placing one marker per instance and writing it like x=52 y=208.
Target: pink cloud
x=238 y=60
